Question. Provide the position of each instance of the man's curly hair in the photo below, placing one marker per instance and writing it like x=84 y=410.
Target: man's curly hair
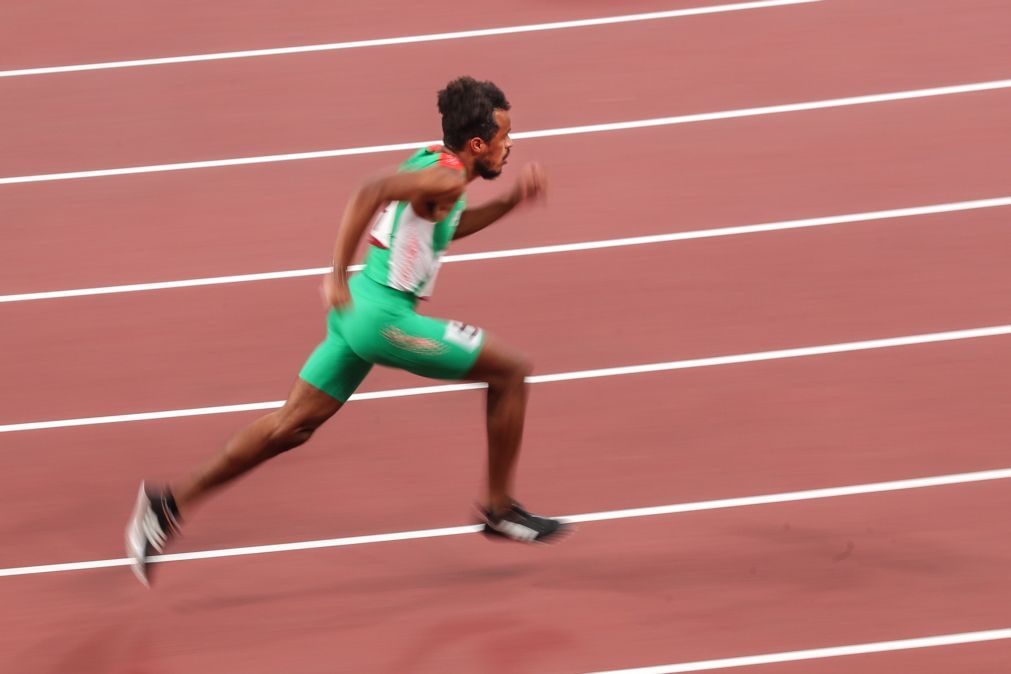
x=468 y=111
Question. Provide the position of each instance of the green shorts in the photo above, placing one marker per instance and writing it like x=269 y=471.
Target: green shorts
x=381 y=327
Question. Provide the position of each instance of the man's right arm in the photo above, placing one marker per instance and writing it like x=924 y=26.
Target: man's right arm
x=435 y=183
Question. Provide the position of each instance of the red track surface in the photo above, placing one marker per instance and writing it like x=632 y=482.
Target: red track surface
x=43 y=33
x=237 y=220
x=652 y=69
x=618 y=594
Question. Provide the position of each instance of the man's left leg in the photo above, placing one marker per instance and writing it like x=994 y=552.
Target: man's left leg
x=326 y=381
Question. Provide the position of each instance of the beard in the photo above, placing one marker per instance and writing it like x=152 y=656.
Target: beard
x=484 y=171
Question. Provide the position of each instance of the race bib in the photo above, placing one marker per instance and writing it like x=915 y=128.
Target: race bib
x=467 y=336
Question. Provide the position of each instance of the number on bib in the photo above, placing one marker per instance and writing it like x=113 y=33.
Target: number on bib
x=467 y=336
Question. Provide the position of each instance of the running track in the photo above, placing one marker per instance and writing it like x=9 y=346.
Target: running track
x=660 y=592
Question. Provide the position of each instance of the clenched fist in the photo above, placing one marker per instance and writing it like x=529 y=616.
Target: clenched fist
x=531 y=184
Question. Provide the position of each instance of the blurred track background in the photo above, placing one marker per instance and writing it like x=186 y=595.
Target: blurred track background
x=98 y=191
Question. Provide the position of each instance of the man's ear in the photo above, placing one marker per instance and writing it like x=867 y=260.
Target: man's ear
x=476 y=145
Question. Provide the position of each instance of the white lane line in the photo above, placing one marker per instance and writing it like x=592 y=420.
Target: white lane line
x=564 y=131
x=536 y=250
x=780 y=354
x=630 y=513
x=410 y=39
x=819 y=653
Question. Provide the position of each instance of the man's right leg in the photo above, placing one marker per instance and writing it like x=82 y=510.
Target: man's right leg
x=505 y=371
x=442 y=349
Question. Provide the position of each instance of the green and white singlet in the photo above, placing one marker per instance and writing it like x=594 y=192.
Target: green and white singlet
x=405 y=248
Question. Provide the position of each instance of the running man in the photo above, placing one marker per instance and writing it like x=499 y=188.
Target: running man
x=372 y=320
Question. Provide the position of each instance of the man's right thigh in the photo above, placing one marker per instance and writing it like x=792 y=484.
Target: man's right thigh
x=429 y=347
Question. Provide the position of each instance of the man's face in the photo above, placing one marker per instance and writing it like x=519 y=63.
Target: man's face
x=488 y=164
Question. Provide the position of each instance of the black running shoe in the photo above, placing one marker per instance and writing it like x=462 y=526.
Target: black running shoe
x=154 y=522
x=519 y=525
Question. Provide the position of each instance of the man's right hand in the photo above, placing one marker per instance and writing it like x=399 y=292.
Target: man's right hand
x=336 y=295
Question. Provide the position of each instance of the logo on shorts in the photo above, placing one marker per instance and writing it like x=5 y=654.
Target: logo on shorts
x=422 y=345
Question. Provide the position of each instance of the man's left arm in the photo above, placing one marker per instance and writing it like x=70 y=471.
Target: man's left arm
x=531 y=184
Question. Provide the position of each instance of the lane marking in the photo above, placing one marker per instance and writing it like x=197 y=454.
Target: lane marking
x=819 y=653
x=563 y=131
x=607 y=515
x=844 y=347
x=410 y=39
x=536 y=250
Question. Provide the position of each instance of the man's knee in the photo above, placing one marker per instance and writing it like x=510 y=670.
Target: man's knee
x=515 y=373
x=293 y=430
x=523 y=368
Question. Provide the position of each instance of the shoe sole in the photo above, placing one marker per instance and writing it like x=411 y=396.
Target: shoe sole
x=139 y=559
x=494 y=534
